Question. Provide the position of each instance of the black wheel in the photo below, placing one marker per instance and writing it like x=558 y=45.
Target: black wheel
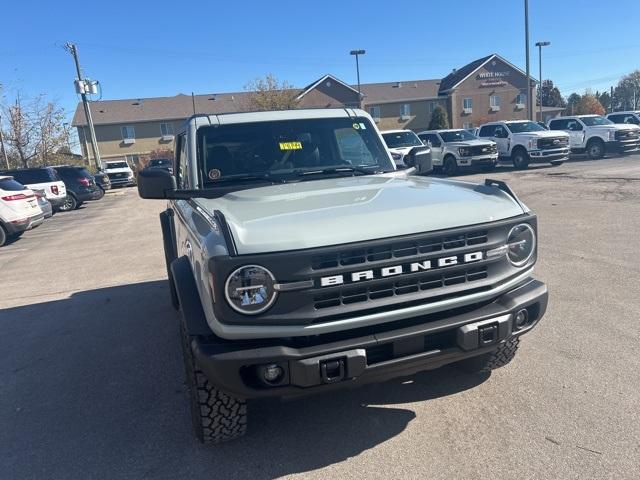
x=3 y=236
x=450 y=166
x=217 y=416
x=69 y=204
x=492 y=360
x=100 y=193
x=520 y=158
x=595 y=149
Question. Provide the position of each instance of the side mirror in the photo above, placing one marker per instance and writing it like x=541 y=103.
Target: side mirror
x=155 y=183
x=419 y=157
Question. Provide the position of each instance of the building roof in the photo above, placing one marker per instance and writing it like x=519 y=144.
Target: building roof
x=389 y=92
x=160 y=108
x=460 y=74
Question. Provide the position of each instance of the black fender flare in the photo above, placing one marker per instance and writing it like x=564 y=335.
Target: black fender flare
x=190 y=303
x=168 y=241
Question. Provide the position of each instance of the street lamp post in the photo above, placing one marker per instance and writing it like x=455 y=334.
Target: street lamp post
x=540 y=45
x=526 y=47
x=357 y=53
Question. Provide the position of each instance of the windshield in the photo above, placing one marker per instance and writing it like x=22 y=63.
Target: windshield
x=117 y=165
x=289 y=147
x=524 y=127
x=160 y=162
x=39 y=175
x=592 y=121
x=401 y=139
x=456 y=136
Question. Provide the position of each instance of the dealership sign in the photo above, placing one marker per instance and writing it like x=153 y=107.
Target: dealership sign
x=483 y=75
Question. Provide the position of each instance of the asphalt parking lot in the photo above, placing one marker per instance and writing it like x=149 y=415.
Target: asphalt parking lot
x=91 y=380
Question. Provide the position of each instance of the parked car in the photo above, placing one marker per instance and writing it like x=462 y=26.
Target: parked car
x=45 y=205
x=452 y=149
x=163 y=163
x=523 y=142
x=102 y=180
x=81 y=186
x=401 y=143
x=42 y=178
x=630 y=117
x=120 y=173
x=306 y=269
x=19 y=210
x=595 y=135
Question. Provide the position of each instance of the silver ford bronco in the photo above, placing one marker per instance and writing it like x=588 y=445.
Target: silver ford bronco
x=300 y=261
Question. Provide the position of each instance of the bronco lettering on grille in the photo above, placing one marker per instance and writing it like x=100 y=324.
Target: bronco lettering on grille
x=394 y=270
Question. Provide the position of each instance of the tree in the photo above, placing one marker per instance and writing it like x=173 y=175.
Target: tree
x=589 y=104
x=572 y=103
x=439 y=119
x=269 y=93
x=605 y=99
x=551 y=96
x=627 y=93
x=20 y=134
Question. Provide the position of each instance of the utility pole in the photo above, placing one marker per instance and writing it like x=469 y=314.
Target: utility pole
x=611 y=101
x=357 y=53
x=540 y=45
x=4 y=150
x=526 y=42
x=82 y=88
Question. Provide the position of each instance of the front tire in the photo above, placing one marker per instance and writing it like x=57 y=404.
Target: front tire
x=492 y=360
x=450 y=166
x=520 y=159
x=595 y=149
x=69 y=204
x=217 y=416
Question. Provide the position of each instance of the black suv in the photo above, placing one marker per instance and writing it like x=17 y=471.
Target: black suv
x=162 y=163
x=81 y=186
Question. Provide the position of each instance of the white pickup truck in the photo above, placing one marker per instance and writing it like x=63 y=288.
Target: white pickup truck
x=595 y=135
x=524 y=142
x=452 y=149
x=402 y=143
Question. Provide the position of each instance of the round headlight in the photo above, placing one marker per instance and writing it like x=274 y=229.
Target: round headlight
x=249 y=289
x=521 y=243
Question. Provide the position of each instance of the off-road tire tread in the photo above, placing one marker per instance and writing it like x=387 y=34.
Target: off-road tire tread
x=496 y=359
x=217 y=416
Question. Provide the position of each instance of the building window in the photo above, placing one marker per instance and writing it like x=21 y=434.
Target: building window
x=467 y=125
x=467 y=105
x=166 y=130
x=521 y=99
x=375 y=113
x=431 y=107
x=405 y=110
x=494 y=102
x=128 y=134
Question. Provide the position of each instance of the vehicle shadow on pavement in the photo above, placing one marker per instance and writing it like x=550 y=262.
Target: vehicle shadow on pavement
x=92 y=386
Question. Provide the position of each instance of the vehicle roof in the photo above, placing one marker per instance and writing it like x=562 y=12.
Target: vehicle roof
x=26 y=169
x=2 y=177
x=441 y=130
x=575 y=116
x=637 y=112
x=505 y=121
x=297 y=114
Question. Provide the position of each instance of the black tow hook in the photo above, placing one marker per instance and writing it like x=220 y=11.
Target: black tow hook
x=332 y=371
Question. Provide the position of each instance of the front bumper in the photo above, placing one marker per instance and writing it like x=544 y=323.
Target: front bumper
x=368 y=354
x=625 y=146
x=115 y=182
x=542 y=156
x=478 y=160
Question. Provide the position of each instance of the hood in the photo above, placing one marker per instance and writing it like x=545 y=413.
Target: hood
x=545 y=134
x=118 y=170
x=402 y=150
x=470 y=143
x=617 y=126
x=294 y=216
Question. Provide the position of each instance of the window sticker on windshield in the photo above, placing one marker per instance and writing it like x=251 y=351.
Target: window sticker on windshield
x=290 y=145
x=214 y=174
x=356 y=126
x=362 y=126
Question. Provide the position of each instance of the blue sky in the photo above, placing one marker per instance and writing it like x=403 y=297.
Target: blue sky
x=143 y=49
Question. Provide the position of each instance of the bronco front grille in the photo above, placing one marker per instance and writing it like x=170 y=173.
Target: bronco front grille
x=398 y=250
x=355 y=294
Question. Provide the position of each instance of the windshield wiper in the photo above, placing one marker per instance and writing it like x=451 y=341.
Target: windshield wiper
x=357 y=169
x=264 y=177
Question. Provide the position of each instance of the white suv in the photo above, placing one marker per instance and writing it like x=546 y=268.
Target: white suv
x=119 y=173
x=45 y=179
x=19 y=209
x=524 y=142
x=401 y=143
x=596 y=135
x=451 y=149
